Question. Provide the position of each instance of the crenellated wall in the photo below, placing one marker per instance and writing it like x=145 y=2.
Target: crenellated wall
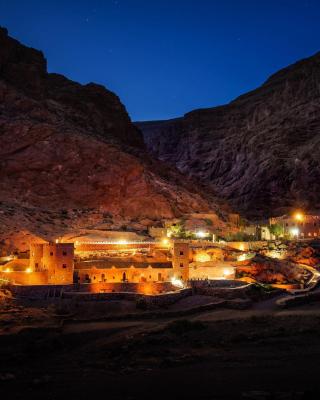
x=131 y=274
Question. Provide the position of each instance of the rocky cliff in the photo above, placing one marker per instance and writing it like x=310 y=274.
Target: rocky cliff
x=261 y=151
x=70 y=156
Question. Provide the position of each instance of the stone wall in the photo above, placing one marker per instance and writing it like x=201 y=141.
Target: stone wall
x=159 y=300
x=99 y=291
x=25 y=278
x=40 y=291
x=225 y=289
x=148 y=288
x=247 y=246
x=115 y=275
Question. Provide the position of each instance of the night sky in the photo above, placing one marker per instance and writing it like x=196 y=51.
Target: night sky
x=165 y=58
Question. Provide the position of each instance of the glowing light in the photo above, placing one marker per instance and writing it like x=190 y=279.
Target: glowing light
x=202 y=257
x=28 y=270
x=165 y=242
x=169 y=234
x=294 y=231
x=242 y=257
x=201 y=234
x=177 y=282
x=227 y=272
x=7 y=270
x=241 y=247
x=57 y=240
x=121 y=241
x=298 y=216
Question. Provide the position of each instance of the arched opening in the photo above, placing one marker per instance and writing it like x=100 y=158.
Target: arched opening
x=124 y=277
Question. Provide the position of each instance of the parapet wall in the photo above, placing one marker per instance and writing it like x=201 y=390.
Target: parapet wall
x=247 y=246
x=148 y=288
x=159 y=300
x=24 y=278
x=40 y=291
x=101 y=291
x=225 y=289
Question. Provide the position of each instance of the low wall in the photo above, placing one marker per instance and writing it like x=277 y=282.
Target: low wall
x=159 y=300
x=39 y=291
x=247 y=246
x=225 y=289
x=148 y=288
x=102 y=291
x=211 y=270
x=25 y=278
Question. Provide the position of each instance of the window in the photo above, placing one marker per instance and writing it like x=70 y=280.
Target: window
x=51 y=253
x=36 y=265
x=181 y=265
x=64 y=253
x=181 y=253
x=64 y=265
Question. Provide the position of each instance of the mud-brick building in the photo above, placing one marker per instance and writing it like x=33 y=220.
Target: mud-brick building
x=57 y=259
x=298 y=225
x=114 y=269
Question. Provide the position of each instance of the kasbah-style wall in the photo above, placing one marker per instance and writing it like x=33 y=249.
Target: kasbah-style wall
x=53 y=264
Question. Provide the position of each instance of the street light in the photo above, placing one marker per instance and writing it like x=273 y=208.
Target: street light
x=294 y=231
x=298 y=216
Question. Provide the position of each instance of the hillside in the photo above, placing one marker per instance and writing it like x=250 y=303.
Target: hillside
x=261 y=152
x=70 y=157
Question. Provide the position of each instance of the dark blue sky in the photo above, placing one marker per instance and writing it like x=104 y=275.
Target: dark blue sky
x=164 y=58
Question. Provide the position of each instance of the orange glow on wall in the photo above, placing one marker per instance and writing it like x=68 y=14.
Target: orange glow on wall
x=202 y=257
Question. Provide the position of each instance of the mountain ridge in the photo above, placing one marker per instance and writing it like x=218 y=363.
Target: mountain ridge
x=254 y=150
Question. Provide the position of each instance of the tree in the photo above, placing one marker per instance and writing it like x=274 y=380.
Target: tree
x=276 y=230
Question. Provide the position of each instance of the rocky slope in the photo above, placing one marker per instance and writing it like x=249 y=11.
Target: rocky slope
x=70 y=156
x=261 y=151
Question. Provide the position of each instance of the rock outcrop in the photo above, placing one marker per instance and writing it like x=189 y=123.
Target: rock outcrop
x=261 y=151
x=70 y=156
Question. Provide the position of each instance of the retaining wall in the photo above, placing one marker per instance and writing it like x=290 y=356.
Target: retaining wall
x=164 y=299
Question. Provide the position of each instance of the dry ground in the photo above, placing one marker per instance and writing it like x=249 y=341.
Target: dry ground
x=260 y=353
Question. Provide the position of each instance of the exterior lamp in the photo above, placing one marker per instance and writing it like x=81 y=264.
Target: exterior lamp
x=299 y=216
x=294 y=231
x=165 y=242
x=177 y=282
x=201 y=234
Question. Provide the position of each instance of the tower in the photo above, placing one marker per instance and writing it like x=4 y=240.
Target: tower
x=180 y=260
x=58 y=261
x=36 y=255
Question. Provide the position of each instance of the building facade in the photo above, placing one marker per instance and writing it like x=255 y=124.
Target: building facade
x=298 y=225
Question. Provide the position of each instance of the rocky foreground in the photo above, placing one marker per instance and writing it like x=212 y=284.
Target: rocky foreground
x=261 y=151
x=261 y=353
